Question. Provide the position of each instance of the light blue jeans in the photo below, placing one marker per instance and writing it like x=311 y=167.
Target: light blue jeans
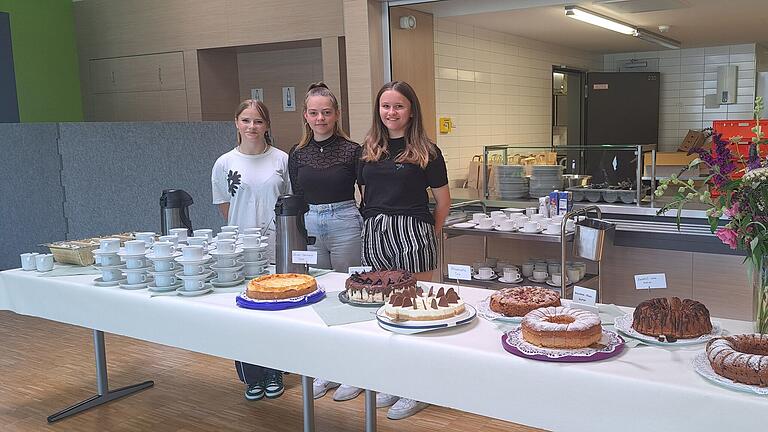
x=336 y=228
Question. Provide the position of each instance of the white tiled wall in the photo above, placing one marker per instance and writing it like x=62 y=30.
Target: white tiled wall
x=496 y=87
x=689 y=74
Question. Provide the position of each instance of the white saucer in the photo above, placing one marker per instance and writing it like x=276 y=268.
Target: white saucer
x=550 y=233
x=476 y=276
x=518 y=280
x=162 y=273
x=151 y=255
x=261 y=246
x=237 y=267
x=100 y=282
x=137 y=286
x=182 y=276
x=215 y=282
x=259 y=262
x=253 y=276
x=537 y=280
x=202 y=260
x=101 y=252
x=498 y=228
x=551 y=283
x=107 y=267
x=538 y=231
x=125 y=254
x=144 y=269
x=463 y=225
x=154 y=288
x=483 y=229
x=217 y=254
x=206 y=289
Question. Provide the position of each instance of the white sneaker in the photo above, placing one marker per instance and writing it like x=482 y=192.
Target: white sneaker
x=405 y=408
x=320 y=387
x=385 y=400
x=346 y=392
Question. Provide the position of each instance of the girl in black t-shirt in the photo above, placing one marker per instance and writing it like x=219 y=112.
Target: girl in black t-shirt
x=398 y=164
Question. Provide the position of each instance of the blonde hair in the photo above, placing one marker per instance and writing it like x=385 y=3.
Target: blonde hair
x=263 y=112
x=319 y=89
x=418 y=147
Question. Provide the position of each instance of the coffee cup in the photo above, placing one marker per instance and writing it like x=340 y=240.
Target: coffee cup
x=251 y=240
x=227 y=276
x=485 y=223
x=193 y=284
x=476 y=217
x=540 y=275
x=204 y=232
x=135 y=247
x=147 y=236
x=192 y=252
x=485 y=273
x=573 y=274
x=230 y=228
x=253 y=255
x=253 y=269
x=165 y=279
x=28 y=261
x=44 y=262
x=181 y=233
x=557 y=278
x=164 y=265
x=163 y=249
x=511 y=273
x=109 y=245
x=135 y=263
x=531 y=226
x=193 y=269
x=507 y=225
x=557 y=219
x=530 y=211
x=225 y=246
x=226 y=262
x=553 y=228
x=498 y=219
x=226 y=235
x=135 y=278
x=109 y=275
x=253 y=230
x=173 y=239
x=527 y=269
x=198 y=241
x=582 y=268
x=497 y=213
x=491 y=262
x=553 y=268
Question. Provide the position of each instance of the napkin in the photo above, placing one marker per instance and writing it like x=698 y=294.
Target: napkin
x=70 y=270
x=334 y=312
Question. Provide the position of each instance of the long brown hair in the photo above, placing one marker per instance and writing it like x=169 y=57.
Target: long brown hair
x=418 y=147
x=263 y=112
x=319 y=89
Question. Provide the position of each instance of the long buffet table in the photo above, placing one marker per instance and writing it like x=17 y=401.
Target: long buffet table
x=466 y=368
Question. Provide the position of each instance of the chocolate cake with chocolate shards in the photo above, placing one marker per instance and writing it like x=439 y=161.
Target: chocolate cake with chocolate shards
x=378 y=286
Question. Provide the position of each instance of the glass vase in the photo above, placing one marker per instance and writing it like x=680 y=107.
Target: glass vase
x=759 y=268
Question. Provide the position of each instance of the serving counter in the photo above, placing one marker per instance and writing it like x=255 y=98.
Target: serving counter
x=466 y=368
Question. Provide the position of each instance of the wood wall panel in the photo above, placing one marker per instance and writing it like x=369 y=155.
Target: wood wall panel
x=721 y=283
x=413 y=60
x=219 y=95
x=359 y=72
x=192 y=84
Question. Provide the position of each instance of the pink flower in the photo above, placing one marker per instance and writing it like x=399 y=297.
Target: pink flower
x=733 y=211
x=727 y=236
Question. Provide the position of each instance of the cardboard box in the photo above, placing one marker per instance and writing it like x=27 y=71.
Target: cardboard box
x=668 y=163
x=693 y=139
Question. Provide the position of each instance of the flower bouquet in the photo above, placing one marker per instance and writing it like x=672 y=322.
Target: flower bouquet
x=736 y=188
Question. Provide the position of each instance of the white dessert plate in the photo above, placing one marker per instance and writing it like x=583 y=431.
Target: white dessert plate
x=463 y=225
x=206 y=289
x=484 y=310
x=518 y=280
x=215 y=282
x=624 y=325
x=411 y=327
x=702 y=366
x=100 y=282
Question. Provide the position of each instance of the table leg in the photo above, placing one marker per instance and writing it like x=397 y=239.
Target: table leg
x=104 y=394
x=308 y=399
x=370 y=411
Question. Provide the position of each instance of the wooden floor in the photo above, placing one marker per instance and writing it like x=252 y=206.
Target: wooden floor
x=46 y=366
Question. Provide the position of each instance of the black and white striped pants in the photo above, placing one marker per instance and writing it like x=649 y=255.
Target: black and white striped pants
x=399 y=242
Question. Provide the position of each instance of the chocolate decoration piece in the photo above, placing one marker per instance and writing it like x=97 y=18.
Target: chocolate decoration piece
x=434 y=304
x=452 y=297
x=450 y=290
x=431 y=292
x=423 y=303
x=398 y=300
x=441 y=292
x=443 y=302
x=419 y=291
x=407 y=302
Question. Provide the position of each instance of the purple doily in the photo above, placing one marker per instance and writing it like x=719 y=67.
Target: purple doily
x=273 y=305
x=513 y=342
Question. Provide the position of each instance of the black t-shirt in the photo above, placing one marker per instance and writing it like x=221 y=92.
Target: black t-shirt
x=395 y=188
x=324 y=172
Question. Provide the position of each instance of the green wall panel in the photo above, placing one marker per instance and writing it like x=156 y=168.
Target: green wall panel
x=45 y=60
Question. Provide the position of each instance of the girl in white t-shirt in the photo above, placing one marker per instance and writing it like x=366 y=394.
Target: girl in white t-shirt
x=246 y=183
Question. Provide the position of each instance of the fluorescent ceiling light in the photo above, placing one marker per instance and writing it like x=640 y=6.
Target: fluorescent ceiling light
x=598 y=20
x=657 y=39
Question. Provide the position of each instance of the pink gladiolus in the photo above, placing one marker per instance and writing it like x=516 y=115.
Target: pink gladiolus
x=727 y=236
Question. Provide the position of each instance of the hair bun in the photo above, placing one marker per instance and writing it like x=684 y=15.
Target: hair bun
x=319 y=84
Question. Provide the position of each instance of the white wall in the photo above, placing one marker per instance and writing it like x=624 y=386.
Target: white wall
x=496 y=87
x=689 y=74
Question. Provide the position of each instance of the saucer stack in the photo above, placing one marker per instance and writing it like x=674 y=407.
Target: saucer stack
x=136 y=265
x=511 y=182
x=545 y=179
x=162 y=257
x=228 y=268
x=108 y=261
x=194 y=273
x=254 y=254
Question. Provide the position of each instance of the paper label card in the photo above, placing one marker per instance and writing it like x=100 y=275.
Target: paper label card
x=584 y=295
x=359 y=269
x=459 y=272
x=651 y=281
x=304 y=257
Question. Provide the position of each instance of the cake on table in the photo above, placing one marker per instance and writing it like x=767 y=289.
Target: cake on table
x=281 y=286
x=378 y=286
x=414 y=305
x=741 y=358
x=561 y=327
x=518 y=301
x=671 y=318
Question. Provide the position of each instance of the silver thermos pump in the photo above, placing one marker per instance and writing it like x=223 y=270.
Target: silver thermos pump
x=174 y=210
x=290 y=233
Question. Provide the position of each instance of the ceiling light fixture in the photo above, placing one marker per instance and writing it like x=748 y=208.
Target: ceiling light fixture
x=603 y=21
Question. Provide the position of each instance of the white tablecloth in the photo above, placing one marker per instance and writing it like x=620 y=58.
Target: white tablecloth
x=645 y=389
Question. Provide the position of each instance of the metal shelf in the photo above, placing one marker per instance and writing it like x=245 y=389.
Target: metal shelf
x=451 y=232
x=496 y=285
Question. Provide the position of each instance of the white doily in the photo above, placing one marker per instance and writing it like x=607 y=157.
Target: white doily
x=608 y=344
x=702 y=367
x=624 y=324
x=484 y=310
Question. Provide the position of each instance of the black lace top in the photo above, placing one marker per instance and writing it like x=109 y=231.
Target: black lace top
x=326 y=171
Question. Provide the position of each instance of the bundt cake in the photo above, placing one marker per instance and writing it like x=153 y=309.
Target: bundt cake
x=672 y=318
x=741 y=358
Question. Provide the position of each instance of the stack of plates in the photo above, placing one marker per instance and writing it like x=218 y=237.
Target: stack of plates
x=545 y=179
x=511 y=182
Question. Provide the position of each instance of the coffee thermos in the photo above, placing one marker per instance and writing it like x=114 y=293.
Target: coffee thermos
x=174 y=210
x=290 y=233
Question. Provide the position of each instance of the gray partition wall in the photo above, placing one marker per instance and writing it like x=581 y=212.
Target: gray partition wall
x=31 y=195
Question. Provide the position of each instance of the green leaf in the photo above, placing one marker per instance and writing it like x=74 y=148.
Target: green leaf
x=713 y=222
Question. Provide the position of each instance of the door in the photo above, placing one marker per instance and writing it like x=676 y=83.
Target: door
x=9 y=104
x=568 y=116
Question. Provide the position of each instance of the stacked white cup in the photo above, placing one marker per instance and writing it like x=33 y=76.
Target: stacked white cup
x=163 y=256
x=194 y=272
x=109 y=262
x=228 y=267
x=136 y=265
x=254 y=253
